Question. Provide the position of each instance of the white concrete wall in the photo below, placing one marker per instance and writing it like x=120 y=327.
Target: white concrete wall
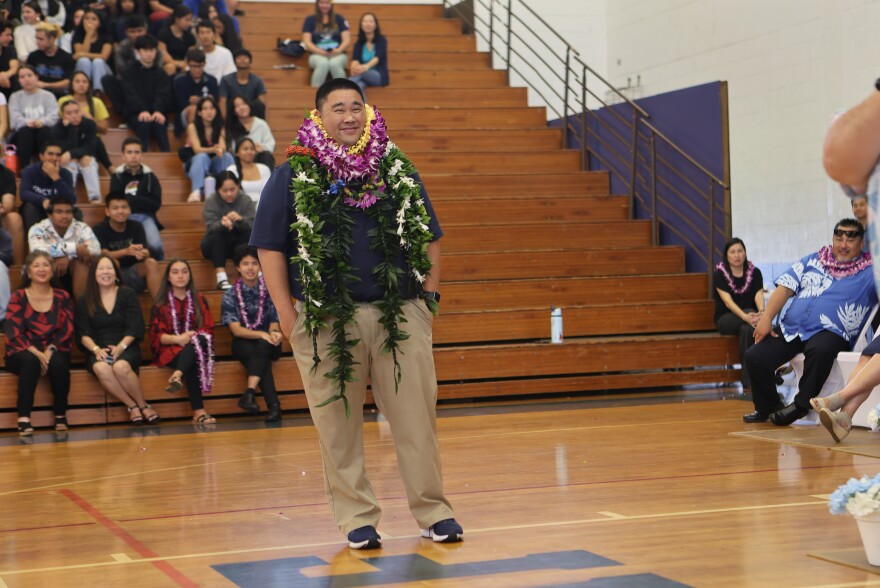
x=789 y=65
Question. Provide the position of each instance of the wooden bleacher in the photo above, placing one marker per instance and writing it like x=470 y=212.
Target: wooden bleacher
x=525 y=230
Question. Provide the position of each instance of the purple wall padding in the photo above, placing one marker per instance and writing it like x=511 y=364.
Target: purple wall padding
x=694 y=119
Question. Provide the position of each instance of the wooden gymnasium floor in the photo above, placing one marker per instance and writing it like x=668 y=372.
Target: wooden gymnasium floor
x=646 y=490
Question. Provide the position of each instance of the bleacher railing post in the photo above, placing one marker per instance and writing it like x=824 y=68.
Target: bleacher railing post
x=655 y=237
x=711 y=248
x=565 y=141
x=509 y=22
x=632 y=171
x=491 y=27
x=585 y=161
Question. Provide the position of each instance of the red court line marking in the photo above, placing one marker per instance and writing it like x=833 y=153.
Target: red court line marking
x=45 y=528
x=129 y=540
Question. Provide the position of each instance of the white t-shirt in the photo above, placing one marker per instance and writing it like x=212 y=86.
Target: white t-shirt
x=219 y=62
x=254 y=188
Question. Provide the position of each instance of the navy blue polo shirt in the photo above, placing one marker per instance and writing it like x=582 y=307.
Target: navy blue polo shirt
x=272 y=231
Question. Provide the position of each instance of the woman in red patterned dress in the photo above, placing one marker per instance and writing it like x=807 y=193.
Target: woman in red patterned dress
x=39 y=327
x=182 y=337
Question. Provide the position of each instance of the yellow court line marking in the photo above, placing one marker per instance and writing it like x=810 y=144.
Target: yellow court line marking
x=611 y=515
x=121 y=557
x=849 y=584
x=3 y=584
x=386 y=536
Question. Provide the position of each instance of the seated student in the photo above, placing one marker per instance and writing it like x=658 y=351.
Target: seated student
x=833 y=293
x=229 y=215
x=253 y=175
x=739 y=299
x=161 y=11
x=25 y=34
x=32 y=113
x=53 y=65
x=147 y=95
x=8 y=60
x=190 y=87
x=78 y=137
x=6 y=259
x=124 y=57
x=175 y=39
x=92 y=108
x=256 y=335
x=243 y=84
x=226 y=31
x=326 y=37
x=369 y=61
x=43 y=181
x=66 y=40
x=109 y=329
x=144 y=192
x=218 y=60
x=54 y=11
x=11 y=221
x=125 y=241
x=38 y=327
x=92 y=48
x=206 y=138
x=181 y=337
x=116 y=24
x=245 y=125
x=71 y=243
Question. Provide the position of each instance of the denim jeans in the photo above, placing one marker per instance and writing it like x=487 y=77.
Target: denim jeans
x=371 y=77
x=202 y=164
x=96 y=69
x=154 y=240
x=90 y=177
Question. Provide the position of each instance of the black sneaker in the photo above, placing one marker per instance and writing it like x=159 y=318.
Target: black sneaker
x=445 y=531
x=365 y=538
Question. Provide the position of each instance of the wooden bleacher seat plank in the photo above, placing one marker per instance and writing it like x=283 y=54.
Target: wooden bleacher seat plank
x=412 y=77
x=449 y=42
x=350 y=11
x=292 y=27
x=390 y=98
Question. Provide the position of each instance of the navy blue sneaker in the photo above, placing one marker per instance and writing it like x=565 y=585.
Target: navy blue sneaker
x=445 y=531
x=365 y=538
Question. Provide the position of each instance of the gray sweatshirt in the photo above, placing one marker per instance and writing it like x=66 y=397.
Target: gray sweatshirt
x=41 y=105
x=216 y=208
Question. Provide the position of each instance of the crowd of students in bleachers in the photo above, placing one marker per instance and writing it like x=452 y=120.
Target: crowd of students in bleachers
x=63 y=67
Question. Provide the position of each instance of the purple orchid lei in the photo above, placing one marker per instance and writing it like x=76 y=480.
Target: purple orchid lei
x=346 y=165
x=749 y=274
x=261 y=288
x=842 y=269
x=202 y=342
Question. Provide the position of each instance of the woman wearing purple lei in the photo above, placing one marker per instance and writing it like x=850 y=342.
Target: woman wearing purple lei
x=739 y=298
x=182 y=337
x=256 y=335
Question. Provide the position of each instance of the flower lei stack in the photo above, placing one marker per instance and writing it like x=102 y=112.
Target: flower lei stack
x=330 y=183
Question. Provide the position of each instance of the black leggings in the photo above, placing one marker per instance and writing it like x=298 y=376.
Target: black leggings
x=187 y=361
x=27 y=366
x=257 y=355
x=28 y=141
x=218 y=246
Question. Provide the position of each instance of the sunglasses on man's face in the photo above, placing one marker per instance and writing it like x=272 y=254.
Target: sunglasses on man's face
x=851 y=234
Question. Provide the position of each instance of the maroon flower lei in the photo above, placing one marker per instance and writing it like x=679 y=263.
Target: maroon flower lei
x=842 y=269
x=261 y=288
x=749 y=274
x=201 y=341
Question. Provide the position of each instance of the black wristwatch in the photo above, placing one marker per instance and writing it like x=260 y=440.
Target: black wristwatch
x=430 y=295
x=877 y=84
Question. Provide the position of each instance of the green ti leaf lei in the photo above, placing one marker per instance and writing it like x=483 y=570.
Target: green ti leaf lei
x=402 y=228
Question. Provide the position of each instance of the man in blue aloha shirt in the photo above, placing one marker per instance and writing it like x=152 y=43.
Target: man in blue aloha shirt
x=833 y=294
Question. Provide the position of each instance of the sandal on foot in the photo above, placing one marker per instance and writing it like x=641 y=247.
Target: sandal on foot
x=137 y=419
x=60 y=423
x=832 y=403
x=838 y=427
x=25 y=428
x=174 y=385
x=205 y=419
x=153 y=418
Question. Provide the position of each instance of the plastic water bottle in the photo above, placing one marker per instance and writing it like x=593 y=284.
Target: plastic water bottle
x=555 y=325
x=210 y=186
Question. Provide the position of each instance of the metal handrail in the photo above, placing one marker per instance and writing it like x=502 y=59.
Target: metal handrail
x=617 y=142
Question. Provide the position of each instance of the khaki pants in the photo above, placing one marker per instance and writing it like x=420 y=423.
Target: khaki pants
x=410 y=413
